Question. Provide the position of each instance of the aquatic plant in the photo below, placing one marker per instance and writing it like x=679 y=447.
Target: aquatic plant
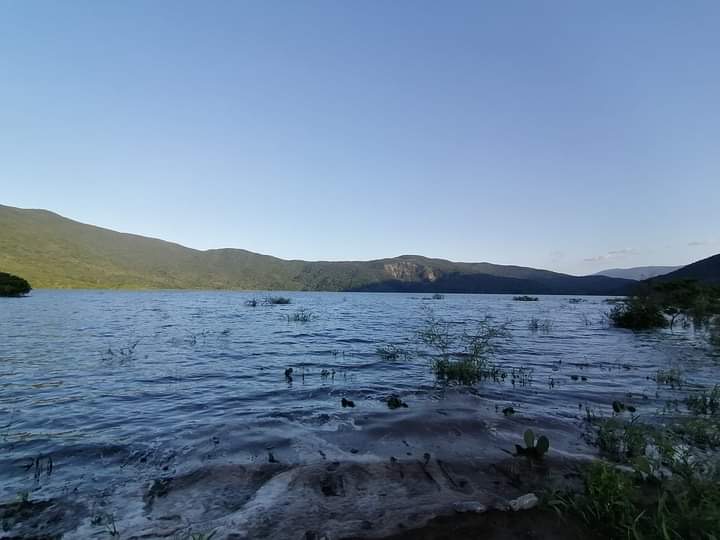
x=13 y=286
x=438 y=296
x=536 y=324
x=705 y=403
x=277 y=300
x=347 y=402
x=394 y=402
x=525 y=298
x=301 y=315
x=576 y=300
x=390 y=352
x=660 y=305
x=252 y=302
x=123 y=354
x=533 y=449
x=638 y=313
x=672 y=377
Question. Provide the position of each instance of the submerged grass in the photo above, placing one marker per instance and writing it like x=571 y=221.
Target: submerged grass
x=301 y=315
x=464 y=357
x=391 y=352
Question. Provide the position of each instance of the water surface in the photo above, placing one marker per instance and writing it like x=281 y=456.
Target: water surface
x=121 y=389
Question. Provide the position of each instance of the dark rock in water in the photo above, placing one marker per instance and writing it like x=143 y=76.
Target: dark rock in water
x=394 y=402
x=288 y=373
x=347 y=402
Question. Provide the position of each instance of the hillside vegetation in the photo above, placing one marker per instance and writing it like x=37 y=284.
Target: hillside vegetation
x=705 y=270
x=55 y=252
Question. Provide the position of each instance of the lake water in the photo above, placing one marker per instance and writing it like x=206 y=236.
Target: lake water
x=163 y=413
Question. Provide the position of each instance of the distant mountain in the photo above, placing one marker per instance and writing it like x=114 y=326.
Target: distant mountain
x=705 y=270
x=51 y=251
x=638 y=273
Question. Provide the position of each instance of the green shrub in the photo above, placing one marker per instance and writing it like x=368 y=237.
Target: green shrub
x=638 y=313
x=13 y=286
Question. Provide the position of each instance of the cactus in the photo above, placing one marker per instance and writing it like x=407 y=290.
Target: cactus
x=533 y=449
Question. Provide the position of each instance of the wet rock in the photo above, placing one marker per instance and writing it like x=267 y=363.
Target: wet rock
x=525 y=502
x=469 y=506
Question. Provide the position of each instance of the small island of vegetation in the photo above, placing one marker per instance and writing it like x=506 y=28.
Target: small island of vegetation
x=13 y=286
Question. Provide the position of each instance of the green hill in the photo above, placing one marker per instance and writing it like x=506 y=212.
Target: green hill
x=55 y=252
x=705 y=270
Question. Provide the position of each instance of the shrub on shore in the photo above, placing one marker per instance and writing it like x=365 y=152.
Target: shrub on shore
x=661 y=305
x=13 y=286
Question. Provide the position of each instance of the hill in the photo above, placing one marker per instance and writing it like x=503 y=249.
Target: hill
x=638 y=273
x=705 y=270
x=55 y=252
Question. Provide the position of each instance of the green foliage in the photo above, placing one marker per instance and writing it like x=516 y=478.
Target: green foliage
x=536 y=324
x=463 y=358
x=638 y=313
x=619 y=504
x=533 y=449
x=672 y=377
x=662 y=304
x=277 y=300
x=13 y=286
x=706 y=403
x=391 y=352
x=301 y=315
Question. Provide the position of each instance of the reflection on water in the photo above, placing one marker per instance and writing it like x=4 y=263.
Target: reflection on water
x=118 y=389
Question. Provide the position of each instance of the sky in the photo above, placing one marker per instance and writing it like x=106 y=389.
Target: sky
x=574 y=136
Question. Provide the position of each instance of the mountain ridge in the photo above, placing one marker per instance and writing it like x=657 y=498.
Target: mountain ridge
x=53 y=251
x=637 y=273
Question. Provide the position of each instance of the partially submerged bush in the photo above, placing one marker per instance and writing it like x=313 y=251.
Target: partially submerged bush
x=390 y=352
x=661 y=305
x=525 y=298
x=463 y=358
x=301 y=315
x=277 y=300
x=705 y=403
x=13 y=286
x=638 y=313
x=536 y=324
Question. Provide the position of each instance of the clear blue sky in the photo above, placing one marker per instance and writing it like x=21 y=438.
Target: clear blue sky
x=571 y=135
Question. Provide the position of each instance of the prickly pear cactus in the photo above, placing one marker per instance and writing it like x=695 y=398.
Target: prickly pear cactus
x=529 y=438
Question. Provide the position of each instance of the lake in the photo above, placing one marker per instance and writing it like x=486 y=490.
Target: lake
x=166 y=413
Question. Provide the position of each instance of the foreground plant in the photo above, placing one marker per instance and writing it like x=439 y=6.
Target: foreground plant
x=533 y=449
